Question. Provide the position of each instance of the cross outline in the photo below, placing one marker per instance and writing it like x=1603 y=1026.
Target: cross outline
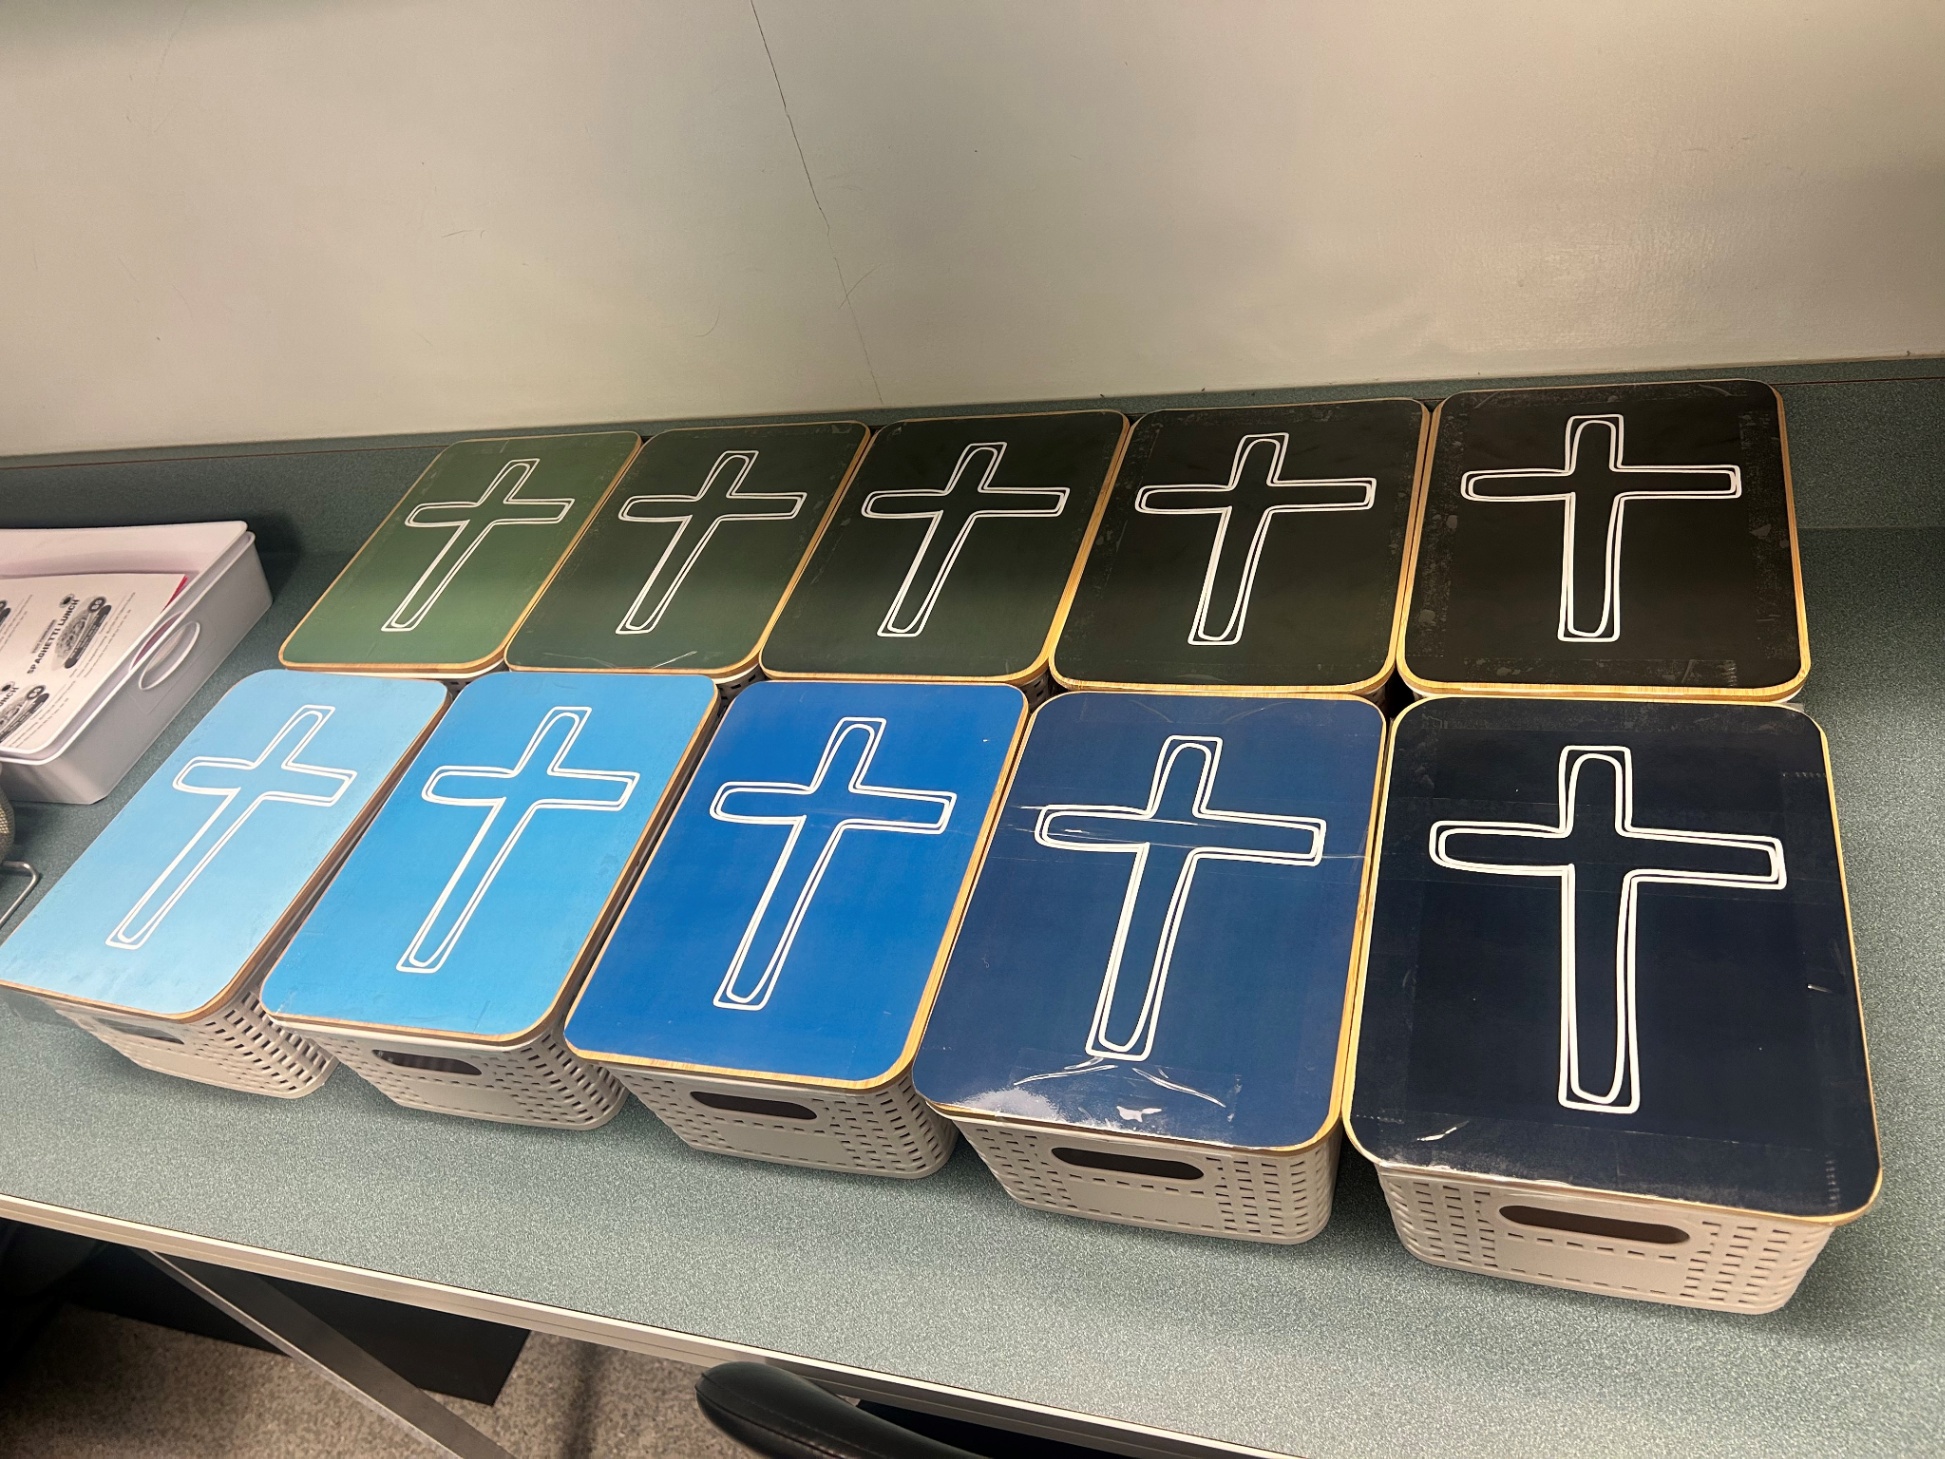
x=995 y=452
x=874 y=728
x=1609 y=630
x=1627 y=1052
x=121 y=938
x=400 y=622
x=411 y=961
x=1199 y=633
x=628 y=624
x=1099 y=1044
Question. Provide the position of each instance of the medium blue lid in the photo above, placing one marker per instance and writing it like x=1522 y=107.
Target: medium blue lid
x=792 y=921
x=171 y=902
x=466 y=907
x=1161 y=938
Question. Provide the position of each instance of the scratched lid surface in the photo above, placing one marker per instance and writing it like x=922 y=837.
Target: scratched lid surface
x=1610 y=948
x=467 y=905
x=684 y=566
x=1161 y=939
x=175 y=897
x=441 y=585
x=1609 y=539
x=952 y=551
x=1260 y=547
x=793 y=918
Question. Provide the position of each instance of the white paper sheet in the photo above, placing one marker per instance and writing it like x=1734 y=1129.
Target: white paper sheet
x=63 y=638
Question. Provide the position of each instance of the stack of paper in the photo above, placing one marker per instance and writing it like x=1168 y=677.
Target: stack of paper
x=62 y=639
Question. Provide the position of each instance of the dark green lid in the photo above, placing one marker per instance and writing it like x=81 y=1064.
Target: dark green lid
x=684 y=567
x=953 y=553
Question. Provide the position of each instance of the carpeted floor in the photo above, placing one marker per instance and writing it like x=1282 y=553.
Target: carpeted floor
x=100 y=1387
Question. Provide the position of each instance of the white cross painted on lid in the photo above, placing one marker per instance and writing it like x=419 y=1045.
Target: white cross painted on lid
x=467 y=525
x=1595 y=488
x=967 y=498
x=835 y=802
x=718 y=500
x=275 y=776
x=1255 y=495
x=540 y=780
x=1166 y=839
x=1601 y=860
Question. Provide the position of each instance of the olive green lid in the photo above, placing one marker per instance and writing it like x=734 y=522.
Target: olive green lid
x=446 y=579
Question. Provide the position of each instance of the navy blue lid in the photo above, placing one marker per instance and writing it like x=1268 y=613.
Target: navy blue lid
x=1609 y=948
x=1161 y=938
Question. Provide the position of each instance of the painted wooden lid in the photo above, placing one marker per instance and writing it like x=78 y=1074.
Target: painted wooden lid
x=793 y=921
x=684 y=566
x=198 y=875
x=1161 y=941
x=1615 y=540
x=1259 y=548
x=445 y=580
x=1610 y=950
x=953 y=552
x=467 y=908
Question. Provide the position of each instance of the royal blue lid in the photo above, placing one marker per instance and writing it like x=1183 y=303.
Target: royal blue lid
x=1161 y=938
x=174 y=899
x=793 y=919
x=468 y=905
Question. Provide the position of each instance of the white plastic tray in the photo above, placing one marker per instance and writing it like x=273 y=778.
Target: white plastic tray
x=225 y=595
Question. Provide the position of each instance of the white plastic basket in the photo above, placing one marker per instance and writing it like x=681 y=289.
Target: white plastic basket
x=225 y=595
x=537 y=1081
x=1650 y=1250
x=886 y=1130
x=234 y=1045
x=1175 y=1185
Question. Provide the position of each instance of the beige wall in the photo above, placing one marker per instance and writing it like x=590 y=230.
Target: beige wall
x=241 y=219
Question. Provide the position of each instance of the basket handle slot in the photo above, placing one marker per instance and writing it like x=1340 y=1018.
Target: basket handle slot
x=169 y=652
x=743 y=1104
x=1127 y=1164
x=1648 y=1232
x=431 y=1063
x=138 y=1031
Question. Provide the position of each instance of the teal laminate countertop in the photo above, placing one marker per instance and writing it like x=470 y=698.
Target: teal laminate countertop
x=1342 y=1347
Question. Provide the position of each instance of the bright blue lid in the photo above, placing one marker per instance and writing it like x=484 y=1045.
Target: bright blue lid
x=466 y=907
x=173 y=900
x=792 y=921
x=1160 y=942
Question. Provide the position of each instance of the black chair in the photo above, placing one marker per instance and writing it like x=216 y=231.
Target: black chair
x=783 y=1416
x=786 y=1417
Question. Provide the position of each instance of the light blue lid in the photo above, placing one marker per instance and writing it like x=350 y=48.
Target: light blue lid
x=791 y=921
x=466 y=907
x=170 y=903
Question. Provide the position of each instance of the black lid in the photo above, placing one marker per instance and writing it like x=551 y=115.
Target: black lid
x=1620 y=538
x=1259 y=546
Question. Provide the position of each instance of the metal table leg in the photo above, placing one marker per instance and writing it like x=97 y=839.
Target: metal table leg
x=320 y=1347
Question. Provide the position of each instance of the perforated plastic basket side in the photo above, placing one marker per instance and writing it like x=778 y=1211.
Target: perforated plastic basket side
x=886 y=1130
x=538 y=1081
x=1171 y=1184
x=1649 y=1250
x=235 y=1046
